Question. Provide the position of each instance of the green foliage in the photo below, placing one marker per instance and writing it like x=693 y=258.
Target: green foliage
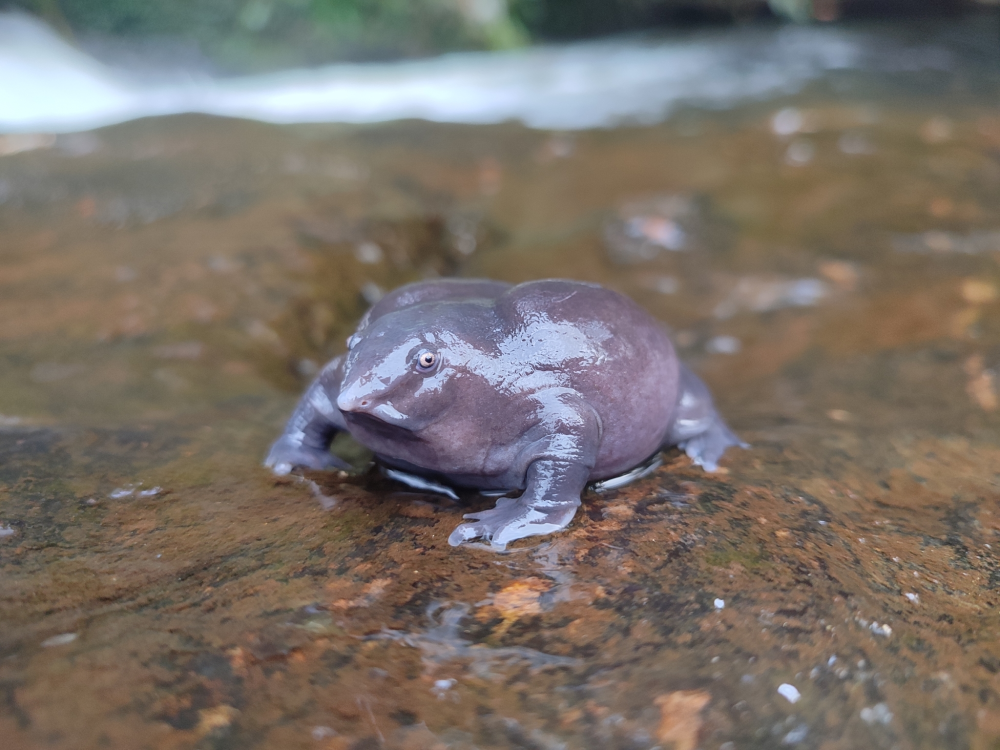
x=246 y=34
x=134 y=16
x=561 y=19
x=569 y=19
x=795 y=10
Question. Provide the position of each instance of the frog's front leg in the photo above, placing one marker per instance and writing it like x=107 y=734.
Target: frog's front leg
x=548 y=504
x=558 y=473
x=310 y=430
x=698 y=429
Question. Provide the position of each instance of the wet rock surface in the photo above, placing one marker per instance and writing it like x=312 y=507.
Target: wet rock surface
x=165 y=295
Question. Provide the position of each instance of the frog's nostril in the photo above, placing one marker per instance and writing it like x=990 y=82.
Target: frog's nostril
x=364 y=403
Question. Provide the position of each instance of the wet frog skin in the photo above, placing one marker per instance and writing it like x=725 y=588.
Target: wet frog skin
x=541 y=387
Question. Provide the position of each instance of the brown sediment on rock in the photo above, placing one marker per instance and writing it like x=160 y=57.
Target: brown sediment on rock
x=680 y=719
x=853 y=549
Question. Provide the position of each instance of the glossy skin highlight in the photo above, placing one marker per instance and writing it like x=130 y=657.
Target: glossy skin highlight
x=541 y=387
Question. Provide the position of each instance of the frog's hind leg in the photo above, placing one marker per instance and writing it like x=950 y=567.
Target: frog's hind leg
x=707 y=448
x=698 y=429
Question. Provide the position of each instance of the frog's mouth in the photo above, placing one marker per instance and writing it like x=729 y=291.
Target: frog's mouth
x=374 y=424
x=389 y=415
x=355 y=401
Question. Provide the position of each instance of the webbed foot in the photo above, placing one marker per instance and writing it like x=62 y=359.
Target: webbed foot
x=698 y=429
x=287 y=454
x=706 y=448
x=512 y=518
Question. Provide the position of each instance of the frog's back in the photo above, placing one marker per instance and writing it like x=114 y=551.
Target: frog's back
x=610 y=351
x=438 y=290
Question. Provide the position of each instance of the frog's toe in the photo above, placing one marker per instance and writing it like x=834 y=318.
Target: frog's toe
x=707 y=448
x=285 y=455
x=485 y=522
x=511 y=520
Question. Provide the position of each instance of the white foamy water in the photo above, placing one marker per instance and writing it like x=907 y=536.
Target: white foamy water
x=46 y=85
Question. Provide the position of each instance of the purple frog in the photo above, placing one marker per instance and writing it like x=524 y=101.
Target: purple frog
x=540 y=388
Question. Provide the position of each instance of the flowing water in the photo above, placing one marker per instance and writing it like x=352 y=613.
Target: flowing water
x=828 y=260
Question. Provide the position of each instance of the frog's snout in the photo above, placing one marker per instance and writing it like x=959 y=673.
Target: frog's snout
x=355 y=398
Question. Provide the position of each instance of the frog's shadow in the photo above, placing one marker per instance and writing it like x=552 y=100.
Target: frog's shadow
x=382 y=483
x=469 y=497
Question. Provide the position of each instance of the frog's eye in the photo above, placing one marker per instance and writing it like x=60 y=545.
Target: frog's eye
x=426 y=360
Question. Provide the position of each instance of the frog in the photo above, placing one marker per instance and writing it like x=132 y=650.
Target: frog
x=527 y=392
